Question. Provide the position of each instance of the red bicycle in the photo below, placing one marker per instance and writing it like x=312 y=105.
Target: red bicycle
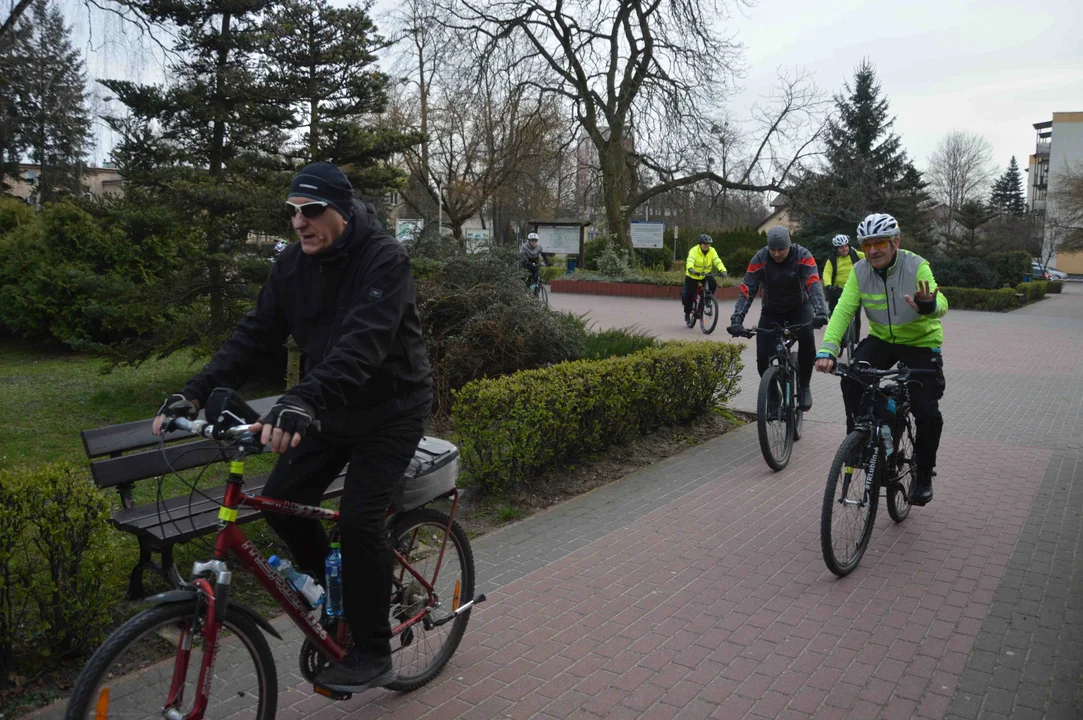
x=198 y=654
x=704 y=308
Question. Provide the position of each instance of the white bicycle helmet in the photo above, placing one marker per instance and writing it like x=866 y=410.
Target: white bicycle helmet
x=877 y=225
x=840 y=240
x=532 y=237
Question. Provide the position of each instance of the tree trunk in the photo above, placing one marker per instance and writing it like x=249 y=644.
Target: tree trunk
x=615 y=190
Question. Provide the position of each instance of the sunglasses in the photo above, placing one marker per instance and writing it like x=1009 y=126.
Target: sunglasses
x=309 y=210
x=875 y=243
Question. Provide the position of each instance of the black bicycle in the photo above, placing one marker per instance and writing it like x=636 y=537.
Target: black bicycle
x=878 y=453
x=537 y=289
x=850 y=338
x=704 y=308
x=779 y=416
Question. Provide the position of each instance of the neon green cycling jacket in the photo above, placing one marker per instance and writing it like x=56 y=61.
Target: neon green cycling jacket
x=890 y=317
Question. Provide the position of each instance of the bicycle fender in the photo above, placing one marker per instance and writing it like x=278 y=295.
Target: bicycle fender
x=189 y=594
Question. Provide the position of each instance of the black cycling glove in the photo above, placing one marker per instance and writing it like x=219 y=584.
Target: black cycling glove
x=818 y=322
x=736 y=330
x=176 y=405
x=292 y=415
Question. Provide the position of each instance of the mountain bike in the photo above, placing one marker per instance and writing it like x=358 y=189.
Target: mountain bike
x=704 y=308
x=537 y=290
x=779 y=417
x=878 y=453
x=196 y=653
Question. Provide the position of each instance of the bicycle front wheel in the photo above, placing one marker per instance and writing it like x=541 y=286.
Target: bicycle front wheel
x=141 y=671
x=903 y=472
x=542 y=294
x=443 y=557
x=709 y=319
x=848 y=511
x=774 y=417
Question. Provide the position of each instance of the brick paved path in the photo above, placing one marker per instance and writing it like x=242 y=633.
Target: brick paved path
x=696 y=588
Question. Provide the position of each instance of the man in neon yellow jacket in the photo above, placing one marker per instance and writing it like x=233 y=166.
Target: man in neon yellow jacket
x=904 y=308
x=702 y=259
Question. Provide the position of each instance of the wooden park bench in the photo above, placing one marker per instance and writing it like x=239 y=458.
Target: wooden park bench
x=126 y=454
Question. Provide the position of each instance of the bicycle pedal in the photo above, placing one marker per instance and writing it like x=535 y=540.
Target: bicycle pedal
x=332 y=694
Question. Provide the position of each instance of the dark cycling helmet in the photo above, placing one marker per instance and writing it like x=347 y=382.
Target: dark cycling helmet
x=705 y=238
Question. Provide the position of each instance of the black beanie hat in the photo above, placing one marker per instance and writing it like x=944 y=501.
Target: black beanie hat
x=324 y=181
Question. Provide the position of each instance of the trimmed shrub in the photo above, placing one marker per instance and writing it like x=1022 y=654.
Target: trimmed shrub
x=1001 y=300
x=725 y=241
x=654 y=258
x=511 y=428
x=54 y=553
x=647 y=277
x=1010 y=267
x=548 y=274
x=1032 y=291
x=1053 y=287
x=964 y=273
x=616 y=342
x=738 y=260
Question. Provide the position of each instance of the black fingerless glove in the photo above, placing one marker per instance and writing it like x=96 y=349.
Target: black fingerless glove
x=292 y=415
x=818 y=322
x=925 y=306
x=177 y=405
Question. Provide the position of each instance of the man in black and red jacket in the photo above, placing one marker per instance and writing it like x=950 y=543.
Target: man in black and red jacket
x=792 y=293
x=345 y=292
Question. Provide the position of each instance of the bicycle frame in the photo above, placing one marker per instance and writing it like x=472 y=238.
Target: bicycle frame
x=231 y=538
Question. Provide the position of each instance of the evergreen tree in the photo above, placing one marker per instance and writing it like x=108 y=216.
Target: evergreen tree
x=10 y=144
x=1007 y=195
x=866 y=171
x=207 y=146
x=324 y=58
x=971 y=216
x=50 y=116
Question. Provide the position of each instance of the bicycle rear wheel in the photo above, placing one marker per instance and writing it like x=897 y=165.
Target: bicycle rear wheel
x=846 y=520
x=904 y=471
x=709 y=318
x=774 y=419
x=132 y=675
x=446 y=562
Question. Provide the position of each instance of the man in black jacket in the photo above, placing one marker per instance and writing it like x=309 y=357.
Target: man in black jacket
x=346 y=294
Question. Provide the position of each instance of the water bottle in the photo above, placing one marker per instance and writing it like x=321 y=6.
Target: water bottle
x=333 y=569
x=889 y=446
x=309 y=589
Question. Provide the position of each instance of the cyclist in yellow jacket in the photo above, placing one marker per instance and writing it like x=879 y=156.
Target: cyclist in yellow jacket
x=702 y=259
x=904 y=307
x=837 y=271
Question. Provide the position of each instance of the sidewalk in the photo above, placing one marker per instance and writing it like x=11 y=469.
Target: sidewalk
x=696 y=588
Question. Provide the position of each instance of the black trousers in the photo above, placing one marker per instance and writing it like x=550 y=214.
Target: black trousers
x=806 y=340
x=534 y=272
x=377 y=460
x=833 y=300
x=924 y=398
x=690 y=285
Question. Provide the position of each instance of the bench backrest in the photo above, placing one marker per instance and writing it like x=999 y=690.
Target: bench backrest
x=111 y=467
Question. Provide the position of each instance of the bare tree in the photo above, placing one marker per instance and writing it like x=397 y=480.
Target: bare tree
x=959 y=172
x=645 y=80
x=1062 y=221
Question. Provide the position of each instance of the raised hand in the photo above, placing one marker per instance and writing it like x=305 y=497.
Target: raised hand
x=923 y=295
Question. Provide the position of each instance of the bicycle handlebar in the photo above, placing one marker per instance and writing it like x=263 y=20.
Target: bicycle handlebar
x=209 y=431
x=857 y=372
x=750 y=332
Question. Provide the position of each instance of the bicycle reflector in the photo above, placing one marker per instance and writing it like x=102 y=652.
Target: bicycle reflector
x=101 y=710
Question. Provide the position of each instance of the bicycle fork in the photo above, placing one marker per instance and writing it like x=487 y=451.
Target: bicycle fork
x=870 y=473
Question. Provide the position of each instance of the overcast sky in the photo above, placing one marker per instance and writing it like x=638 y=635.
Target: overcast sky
x=993 y=67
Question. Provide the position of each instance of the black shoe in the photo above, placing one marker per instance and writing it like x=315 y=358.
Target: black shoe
x=688 y=318
x=806 y=399
x=358 y=671
x=922 y=491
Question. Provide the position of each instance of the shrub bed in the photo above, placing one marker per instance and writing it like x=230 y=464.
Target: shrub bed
x=513 y=427
x=548 y=274
x=1053 y=287
x=1001 y=300
x=1032 y=291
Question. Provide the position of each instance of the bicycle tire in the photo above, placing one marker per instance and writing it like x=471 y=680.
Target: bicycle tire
x=152 y=624
x=404 y=598
x=543 y=295
x=902 y=482
x=708 y=319
x=770 y=411
x=849 y=451
x=798 y=413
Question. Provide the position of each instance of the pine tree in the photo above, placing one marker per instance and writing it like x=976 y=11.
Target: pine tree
x=207 y=146
x=51 y=119
x=866 y=171
x=1007 y=195
x=324 y=57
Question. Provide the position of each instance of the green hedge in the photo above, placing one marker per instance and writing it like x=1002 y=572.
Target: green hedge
x=1001 y=300
x=514 y=427
x=548 y=274
x=1032 y=291
x=1053 y=287
x=1010 y=267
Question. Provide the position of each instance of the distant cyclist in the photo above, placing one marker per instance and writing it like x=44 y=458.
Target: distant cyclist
x=702 y=259
x=837 y=271
x=530 y=257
